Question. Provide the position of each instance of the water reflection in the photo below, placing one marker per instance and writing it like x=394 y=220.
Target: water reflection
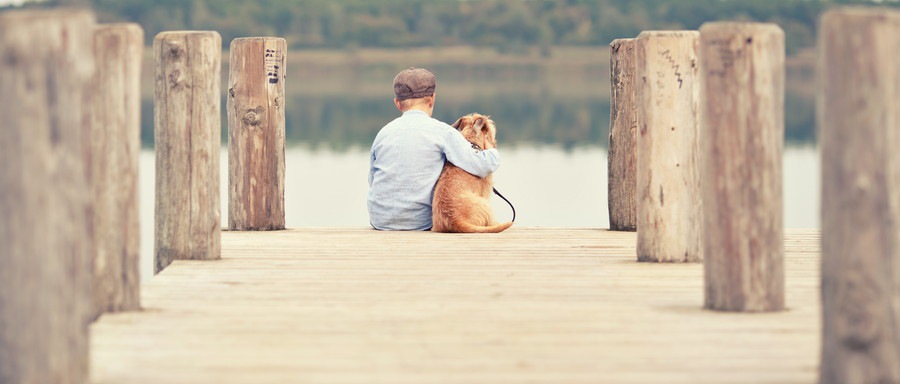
x=354 y=122
x=343 y=122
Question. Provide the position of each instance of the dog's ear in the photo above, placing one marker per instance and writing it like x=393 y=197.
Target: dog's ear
x=489 y=123
x=457 y=123
x=479 y=124
x=484 y=124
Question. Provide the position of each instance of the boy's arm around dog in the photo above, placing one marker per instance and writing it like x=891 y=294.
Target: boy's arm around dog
x=460 y=153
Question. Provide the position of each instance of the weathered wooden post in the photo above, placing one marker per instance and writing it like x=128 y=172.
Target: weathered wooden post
x=622 y=137
x=187 y=134
x=743 y=139
x=46 y=64
x=115 y=145
x=256 y=131
x=859 y=122
x=668 y=174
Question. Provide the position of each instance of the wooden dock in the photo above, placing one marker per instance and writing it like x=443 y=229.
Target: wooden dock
x=528 y=305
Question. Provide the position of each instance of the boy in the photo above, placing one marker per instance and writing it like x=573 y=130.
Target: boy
x=408 y=155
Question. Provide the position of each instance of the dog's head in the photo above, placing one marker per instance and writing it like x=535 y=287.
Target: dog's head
x=478 y=129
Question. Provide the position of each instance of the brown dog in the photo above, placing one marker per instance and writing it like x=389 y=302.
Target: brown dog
x=461 y=200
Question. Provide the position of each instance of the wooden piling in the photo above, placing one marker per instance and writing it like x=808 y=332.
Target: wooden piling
x=622 y=136
x=46 y=64
x=187 y=134
x=859 y=122
x=743 y=140
x=256 y=133
x=115 y=146
x=668 y=184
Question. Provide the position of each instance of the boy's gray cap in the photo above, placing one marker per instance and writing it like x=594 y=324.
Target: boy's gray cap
x=414 y=83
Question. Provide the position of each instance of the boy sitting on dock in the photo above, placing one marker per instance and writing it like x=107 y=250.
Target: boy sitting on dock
x=408 y=155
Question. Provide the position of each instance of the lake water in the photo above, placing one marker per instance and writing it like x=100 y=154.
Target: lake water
x=549 y=186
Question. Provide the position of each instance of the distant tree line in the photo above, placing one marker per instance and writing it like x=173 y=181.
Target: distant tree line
x=508 y=25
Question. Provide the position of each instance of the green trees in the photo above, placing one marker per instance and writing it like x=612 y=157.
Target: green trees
x=505 y=24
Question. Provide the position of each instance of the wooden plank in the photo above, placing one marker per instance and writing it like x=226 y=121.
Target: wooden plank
x=859 y=117
x=46 y=64
x=668 y=175
x=341 y=305
x=743 y=140
x=622 y=192
x=256 y=133
x=114 y=149
x=187 y=129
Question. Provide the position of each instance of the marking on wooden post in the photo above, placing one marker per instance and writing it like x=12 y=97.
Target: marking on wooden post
x=115 y=145
x=256 y=134
x=667 y=173
x=743 y=141
x=46 y=65
x=274 y=64
x=859 y=121
x=187 y=135
x=622 y=137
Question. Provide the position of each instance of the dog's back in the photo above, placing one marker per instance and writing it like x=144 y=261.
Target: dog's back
x=462 y=200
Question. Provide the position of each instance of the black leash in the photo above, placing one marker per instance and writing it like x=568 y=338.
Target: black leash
x=496 y=192
x=507 y=202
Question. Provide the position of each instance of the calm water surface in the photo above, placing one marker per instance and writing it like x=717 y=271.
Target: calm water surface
x=549 y=185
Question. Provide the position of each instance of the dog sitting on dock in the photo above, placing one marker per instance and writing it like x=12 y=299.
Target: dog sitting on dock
x=461 y=200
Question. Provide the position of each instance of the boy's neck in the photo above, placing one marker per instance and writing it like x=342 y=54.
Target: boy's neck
x=420 y=107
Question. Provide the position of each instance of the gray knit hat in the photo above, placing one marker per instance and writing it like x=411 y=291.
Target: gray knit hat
x=414 y=83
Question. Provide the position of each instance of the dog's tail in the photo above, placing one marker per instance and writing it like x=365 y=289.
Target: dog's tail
x=471 y=228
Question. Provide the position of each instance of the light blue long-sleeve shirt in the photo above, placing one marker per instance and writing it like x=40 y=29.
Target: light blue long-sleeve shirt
x=405 y=162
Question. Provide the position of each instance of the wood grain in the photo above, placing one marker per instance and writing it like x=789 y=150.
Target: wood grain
x=548 y=305
x=256 y=133
x=622 y=137
x=743 y=140
x=115 y=147
x=859 y=120
x=187 y=131
x=46 y=65
x=668 y=145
